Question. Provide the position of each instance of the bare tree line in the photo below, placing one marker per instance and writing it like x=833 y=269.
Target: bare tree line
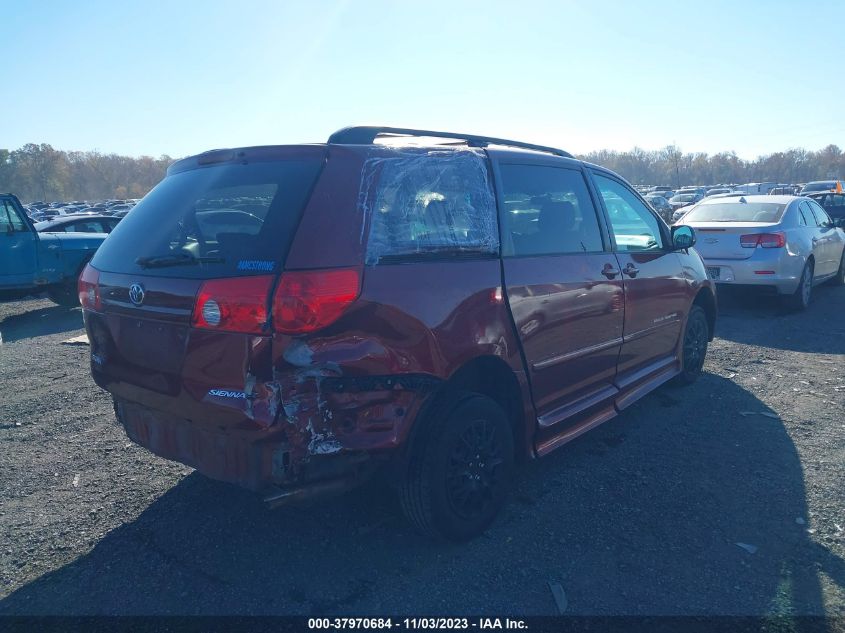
x=40 y=172
x=670 y=166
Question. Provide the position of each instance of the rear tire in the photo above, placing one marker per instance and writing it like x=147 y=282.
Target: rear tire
x=460 y=467
x=64 y=295
x=694 y=350
x=799 y=300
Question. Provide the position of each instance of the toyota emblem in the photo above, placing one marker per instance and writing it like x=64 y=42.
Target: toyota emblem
x=136 y=294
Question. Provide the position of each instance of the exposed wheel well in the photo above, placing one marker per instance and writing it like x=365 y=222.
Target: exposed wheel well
x=707 y=302
x=492 y=377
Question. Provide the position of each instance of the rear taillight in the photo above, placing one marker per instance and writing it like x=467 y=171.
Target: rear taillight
x=88 y=286
x=306 y=301
x=237 y=304
x=764 y=240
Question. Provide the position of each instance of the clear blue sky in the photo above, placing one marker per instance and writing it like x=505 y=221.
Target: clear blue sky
x=179 y=77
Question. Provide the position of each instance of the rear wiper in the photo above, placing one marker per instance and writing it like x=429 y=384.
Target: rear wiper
x=180 y=259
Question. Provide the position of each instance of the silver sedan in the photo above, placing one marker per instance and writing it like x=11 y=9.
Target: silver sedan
x=785 y=243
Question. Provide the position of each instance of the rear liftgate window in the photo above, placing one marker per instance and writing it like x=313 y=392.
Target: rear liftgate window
x=220 y=221
x=429 y=204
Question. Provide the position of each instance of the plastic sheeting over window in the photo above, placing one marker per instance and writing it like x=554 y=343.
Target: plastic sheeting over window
x=428 y=203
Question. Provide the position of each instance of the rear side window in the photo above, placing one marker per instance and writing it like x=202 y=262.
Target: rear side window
x=218 y=221
x=428 y=204
x=802 y=215
x=822 y=219
x=807 y=214
x=547 y=211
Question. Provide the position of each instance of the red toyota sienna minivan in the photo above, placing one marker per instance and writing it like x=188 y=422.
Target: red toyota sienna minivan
x=429 y=306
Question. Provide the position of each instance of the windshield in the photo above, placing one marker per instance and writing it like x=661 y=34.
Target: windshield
x=687 y=197
x=222 y=220
x=736 y=211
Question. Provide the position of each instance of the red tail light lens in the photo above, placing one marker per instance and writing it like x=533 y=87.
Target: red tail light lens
x=238 y=304
x=764 y=240
x=88 y=286
x=309 y=300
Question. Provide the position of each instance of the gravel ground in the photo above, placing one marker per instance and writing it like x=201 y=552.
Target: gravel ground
x=644 y=515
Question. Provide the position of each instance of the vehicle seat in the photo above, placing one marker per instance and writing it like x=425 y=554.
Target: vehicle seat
x=557 y=229
x=437 y=218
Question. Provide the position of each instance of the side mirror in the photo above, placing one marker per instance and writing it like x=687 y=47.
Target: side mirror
x=683 y=237
x=9 y=230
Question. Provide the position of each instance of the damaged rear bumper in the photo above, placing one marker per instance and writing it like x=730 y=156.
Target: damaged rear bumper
x=251 y=458
x=329 y=429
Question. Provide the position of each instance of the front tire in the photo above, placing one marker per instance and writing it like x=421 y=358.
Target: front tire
x=694 y=351
x=460 y=468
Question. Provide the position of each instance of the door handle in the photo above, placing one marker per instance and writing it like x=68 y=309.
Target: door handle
x=609 y=271
x=53 y=247
x=630 y=270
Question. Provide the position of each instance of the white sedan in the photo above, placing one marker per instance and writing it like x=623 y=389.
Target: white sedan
x=786 y=244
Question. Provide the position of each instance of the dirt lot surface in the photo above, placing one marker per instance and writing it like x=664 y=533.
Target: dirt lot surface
x=727 y=497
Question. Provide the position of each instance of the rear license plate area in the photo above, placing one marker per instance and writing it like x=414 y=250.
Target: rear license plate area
x=714 y=272
x=152 y=345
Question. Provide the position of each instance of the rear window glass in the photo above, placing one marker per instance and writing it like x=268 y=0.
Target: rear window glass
x=223 y=220
x=428 y=204
x=736 y=211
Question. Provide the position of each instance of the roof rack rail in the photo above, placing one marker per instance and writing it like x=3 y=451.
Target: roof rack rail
x=366 y=134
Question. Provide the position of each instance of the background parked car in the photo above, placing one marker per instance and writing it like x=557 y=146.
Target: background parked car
x=819 y=185
x=786 y=244
x=833 y=203
x=661 y=205
x=785 y=190
x=40 y=262
x=666 y=192
x=681 y=200
x=78 y=224
x=754 y=188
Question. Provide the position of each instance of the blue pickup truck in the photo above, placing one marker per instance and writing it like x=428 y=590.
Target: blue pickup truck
x=32 y=262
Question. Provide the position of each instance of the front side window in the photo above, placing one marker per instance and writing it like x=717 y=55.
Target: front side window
x=10 y=219
x=547 y=211
x=634 y=226
x=5 y=218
